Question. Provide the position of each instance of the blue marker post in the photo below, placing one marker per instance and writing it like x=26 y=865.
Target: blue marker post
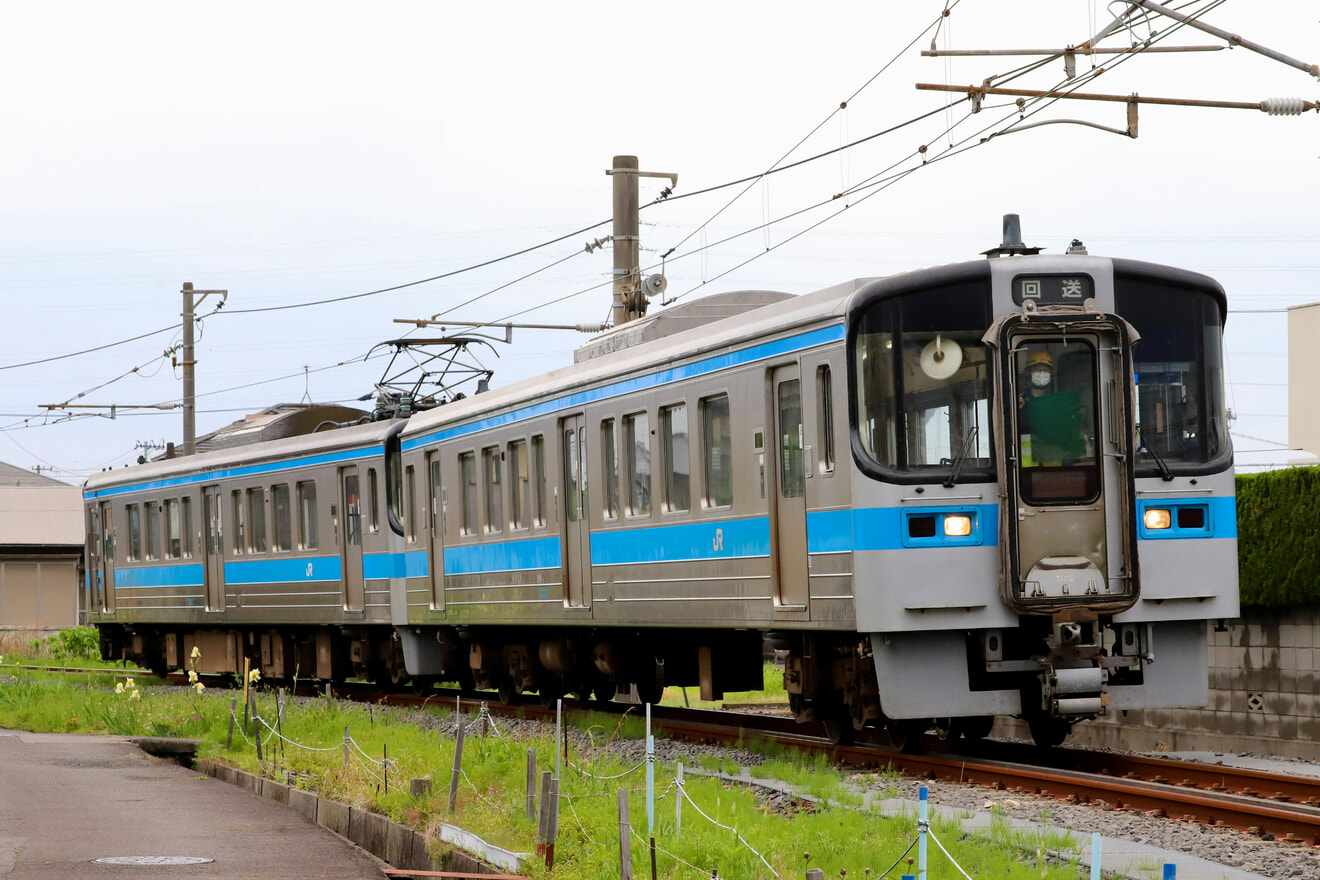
x=650 y=776
x=1170 y=871
x=1095 y=857
x=923 y=825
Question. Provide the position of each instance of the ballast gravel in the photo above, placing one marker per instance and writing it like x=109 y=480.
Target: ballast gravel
x=1224 y=846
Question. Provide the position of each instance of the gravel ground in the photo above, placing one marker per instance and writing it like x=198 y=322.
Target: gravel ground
x=1279 y=859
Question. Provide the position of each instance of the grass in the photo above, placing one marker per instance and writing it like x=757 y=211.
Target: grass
x=790 y=836
x=772 y=693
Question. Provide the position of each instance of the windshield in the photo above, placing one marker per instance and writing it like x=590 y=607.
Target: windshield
x=1179 y=373
x=921 y=384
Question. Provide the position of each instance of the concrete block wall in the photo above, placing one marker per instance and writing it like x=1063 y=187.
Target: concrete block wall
x=1264 y=671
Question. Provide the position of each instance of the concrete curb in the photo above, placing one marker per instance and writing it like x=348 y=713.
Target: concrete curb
x=397 y=845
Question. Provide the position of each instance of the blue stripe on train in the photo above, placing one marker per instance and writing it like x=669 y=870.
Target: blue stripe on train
x=157 y=576
x=717 y=539
x=504 y=556
x=748 y=355
x=1218 y=520
x=284 y=571
x=383 y=566
x=881 y=528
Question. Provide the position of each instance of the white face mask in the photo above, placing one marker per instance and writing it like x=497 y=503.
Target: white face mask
x=1040 y=378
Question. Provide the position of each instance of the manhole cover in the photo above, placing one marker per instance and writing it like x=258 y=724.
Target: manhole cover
x=138 y=861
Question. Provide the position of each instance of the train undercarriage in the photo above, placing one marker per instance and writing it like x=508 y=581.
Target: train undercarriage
x=1061 y=669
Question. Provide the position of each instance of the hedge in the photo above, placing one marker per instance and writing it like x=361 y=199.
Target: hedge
x=1279 y=537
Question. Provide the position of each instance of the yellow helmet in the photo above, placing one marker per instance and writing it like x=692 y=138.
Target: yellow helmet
x=1040 y=359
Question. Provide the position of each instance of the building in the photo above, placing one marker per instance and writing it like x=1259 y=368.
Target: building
x=41 y=551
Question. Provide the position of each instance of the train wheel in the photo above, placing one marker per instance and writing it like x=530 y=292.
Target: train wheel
x=422 y=684
x=905 y=735
x=508 y=693
x=974 y=727
x=1048 y=732
x=839 y=728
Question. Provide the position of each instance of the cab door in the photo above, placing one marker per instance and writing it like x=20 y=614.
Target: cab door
x=1071 y=537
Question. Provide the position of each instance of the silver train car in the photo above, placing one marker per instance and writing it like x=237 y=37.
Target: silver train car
x=999 y=487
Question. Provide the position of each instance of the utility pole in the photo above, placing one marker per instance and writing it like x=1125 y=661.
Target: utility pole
x=189 y=362
x=629 y=301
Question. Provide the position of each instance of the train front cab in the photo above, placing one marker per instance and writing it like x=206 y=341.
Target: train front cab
x=1017 y=544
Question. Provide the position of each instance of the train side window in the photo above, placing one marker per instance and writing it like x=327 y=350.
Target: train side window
x=637 y=435
x=256 y=509
x=153 y=529
x=410 y=517
x=373 y=501
x=173 y=527
x=717 y=437
x=678 y=465
x=467 y=471
x=520 y=486
x=609 y=447
x=539 y=478
x=282 y=518
x=240 y=522
x=824 y=420
x=493 y=466
x=307 y=515
x=186 y=531
x=134 y=548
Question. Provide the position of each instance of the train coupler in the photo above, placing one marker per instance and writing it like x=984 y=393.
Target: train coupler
x=1074 y=691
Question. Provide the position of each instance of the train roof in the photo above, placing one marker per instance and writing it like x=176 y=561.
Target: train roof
x=352 y=437
x=783 y=314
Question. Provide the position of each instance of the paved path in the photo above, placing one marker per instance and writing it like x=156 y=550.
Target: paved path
x=66 y=800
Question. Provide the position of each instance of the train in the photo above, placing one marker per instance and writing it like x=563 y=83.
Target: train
x=998 y=487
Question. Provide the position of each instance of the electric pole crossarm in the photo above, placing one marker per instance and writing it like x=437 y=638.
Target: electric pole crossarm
x=1230 y=38
x=1083 y=49
x=1272 y=106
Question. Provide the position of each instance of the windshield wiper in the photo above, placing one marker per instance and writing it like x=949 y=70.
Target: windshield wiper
x=968 y=438
x=1165 y=473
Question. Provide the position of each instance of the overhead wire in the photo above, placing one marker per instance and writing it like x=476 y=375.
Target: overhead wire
x=819 y=125
x=441 y=276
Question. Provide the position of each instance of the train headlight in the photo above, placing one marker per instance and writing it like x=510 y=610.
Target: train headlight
x=957 y=526
x=1157 y=518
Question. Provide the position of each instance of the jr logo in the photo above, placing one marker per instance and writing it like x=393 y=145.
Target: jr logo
x=309 y=569
x=719 y=539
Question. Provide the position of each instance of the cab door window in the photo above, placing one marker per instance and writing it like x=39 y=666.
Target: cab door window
x=1056 y=421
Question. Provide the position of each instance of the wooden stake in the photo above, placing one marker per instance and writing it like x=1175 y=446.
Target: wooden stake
x=625 y=838
x=543 y=818
x=229 y=741
x=458 y=765
x=531 y=783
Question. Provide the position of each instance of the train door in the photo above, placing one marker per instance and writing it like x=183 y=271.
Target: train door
x=94 y=603
x=437 y=562
x=1070 y=447
x=790 y=527
x=350 y=500
x=577 y=533
x=213 y=549
x=107 y=558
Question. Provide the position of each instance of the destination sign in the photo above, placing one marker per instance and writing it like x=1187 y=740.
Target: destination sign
x=1053 y=289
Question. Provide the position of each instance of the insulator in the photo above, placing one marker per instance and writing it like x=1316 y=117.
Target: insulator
x=592 y=328
x=1283 y=106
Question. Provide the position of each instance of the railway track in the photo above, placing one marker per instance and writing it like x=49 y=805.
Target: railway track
x=1266 y=804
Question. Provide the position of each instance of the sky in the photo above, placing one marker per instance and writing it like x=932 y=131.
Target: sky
x=297 y=152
